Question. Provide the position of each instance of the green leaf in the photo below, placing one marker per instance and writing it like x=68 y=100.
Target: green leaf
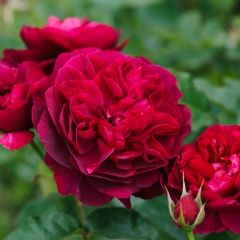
x=98 y=237
x=74 y=237
x=156 y=211
x=50 y=226
x=35 y=208
x=222 y=236
x=197 y=102
x=53 y=203
x=119 y=223
x=125 y=3
x=227 y=95
x=190 y=30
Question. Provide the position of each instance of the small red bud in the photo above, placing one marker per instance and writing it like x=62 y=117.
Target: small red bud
x=189 y=207
x=188 y=212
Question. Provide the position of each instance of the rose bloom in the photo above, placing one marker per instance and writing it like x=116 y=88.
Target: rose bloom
x=16 y=103
x=110 y=125
x=214 y=161
x=58 y=36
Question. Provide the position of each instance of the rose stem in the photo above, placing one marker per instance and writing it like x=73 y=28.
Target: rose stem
x=83 y=219
x=36 y=148
x=82 y=213
x=190 y=235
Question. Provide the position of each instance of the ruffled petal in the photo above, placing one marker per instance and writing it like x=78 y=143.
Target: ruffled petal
x=16 y=140
x=71 y=181
x=52 y=141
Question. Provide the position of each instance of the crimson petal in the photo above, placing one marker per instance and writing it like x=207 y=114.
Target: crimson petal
x=16 y=140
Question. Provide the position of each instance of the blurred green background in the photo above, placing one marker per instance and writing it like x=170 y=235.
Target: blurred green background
x=199 y=40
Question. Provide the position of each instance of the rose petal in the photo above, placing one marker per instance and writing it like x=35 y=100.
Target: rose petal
x=16 y=140
x=230 y=220
x=211 y=223
x=70 y=181
x=53 y=142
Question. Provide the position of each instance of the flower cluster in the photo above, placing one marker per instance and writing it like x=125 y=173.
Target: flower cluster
x=22 y=71
x=110 y=123
x=112 y=126
x=214 y=161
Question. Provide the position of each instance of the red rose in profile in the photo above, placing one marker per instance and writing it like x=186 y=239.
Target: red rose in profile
x=214 y=160
x=58 y=36
x=16 y=103
x=110 y=125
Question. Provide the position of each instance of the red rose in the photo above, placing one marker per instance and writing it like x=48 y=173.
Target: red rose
x=214 y=160
x=110 y=126
x=15 y=104
x=58 y=36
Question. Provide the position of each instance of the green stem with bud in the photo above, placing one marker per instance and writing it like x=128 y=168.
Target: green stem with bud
x=190 y=235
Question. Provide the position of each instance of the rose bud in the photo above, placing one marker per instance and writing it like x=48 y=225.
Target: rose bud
x=188 y=212
x=188 y=208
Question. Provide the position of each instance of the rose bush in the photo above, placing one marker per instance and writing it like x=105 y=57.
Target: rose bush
x=214 y=160
x=58 y=36
x=110 y=124
x=16 y=103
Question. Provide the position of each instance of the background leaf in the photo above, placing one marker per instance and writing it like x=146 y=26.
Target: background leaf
x=119 y=223
x=50 y=226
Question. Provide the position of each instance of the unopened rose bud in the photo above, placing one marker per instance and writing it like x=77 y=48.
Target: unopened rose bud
x=188 y=207
x=188 y=212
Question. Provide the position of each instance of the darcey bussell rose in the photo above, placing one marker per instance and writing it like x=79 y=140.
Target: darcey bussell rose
x=110 y=125
x=16 y=103
x=58 y=36
x=214 y=161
